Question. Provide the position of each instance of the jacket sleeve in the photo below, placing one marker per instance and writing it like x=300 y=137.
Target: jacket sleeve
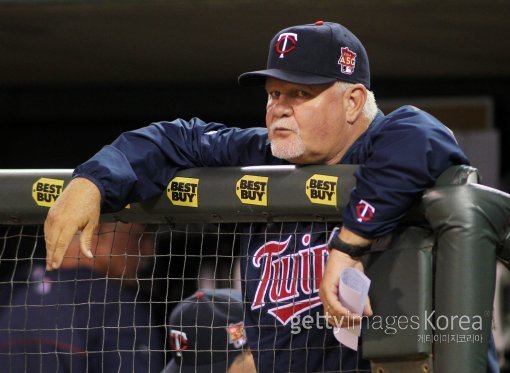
x=403 y=159
x=139 y=164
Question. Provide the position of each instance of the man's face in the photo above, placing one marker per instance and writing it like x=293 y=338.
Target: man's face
x=306 y=123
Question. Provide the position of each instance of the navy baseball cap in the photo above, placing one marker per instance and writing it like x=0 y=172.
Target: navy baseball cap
x=318 y=53
x=206 y=331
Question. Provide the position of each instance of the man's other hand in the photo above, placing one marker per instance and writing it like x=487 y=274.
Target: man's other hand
x=77 y=209
x=336 y=313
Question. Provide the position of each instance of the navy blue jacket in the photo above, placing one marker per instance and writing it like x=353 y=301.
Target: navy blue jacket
x=400 y=155
x=74 y=320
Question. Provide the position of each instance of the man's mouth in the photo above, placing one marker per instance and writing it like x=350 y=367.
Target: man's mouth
x=282 y=130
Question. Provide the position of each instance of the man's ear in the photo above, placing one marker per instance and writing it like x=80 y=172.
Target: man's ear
x=355 y=98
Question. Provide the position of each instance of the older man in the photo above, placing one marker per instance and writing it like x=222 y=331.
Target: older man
x=320 y=110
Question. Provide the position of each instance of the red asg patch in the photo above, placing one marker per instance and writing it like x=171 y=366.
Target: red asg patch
x=236 y=334
x=365 y=211
x=347 y=61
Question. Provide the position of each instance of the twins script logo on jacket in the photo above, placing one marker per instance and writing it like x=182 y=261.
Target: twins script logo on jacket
x=289 y=283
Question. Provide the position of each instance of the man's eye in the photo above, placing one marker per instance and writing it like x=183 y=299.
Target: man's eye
x=274 y=94
x=301 y=93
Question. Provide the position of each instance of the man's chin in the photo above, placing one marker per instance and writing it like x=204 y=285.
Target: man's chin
x=299 y=160
x=290 y=154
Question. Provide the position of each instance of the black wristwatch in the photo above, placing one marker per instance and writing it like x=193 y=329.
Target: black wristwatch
x=335 y=242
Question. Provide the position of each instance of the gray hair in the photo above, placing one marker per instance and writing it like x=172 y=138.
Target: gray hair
x=370 y=108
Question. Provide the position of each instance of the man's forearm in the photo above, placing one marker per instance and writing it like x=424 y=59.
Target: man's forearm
x=353 y=238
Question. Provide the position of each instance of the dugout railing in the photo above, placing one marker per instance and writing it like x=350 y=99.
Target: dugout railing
x=432 y=279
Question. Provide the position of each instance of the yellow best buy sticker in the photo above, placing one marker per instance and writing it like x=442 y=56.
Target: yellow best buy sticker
x=252 y=190
x=322 y=189
x=183 y=191
x=45 y=191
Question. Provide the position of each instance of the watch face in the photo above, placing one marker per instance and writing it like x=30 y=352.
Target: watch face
x=333 y=235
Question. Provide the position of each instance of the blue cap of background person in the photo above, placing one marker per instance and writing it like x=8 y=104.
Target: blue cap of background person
x=317 y=53
x=206 y=331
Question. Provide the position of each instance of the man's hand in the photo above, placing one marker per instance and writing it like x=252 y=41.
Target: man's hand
x=337 y=314
x=78 y=208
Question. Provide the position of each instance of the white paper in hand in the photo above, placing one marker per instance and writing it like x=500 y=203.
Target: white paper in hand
x=353 y=288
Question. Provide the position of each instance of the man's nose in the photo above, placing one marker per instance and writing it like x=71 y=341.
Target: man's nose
x=283 y=108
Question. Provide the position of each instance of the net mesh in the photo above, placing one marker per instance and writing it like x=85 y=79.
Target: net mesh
x=135 y=306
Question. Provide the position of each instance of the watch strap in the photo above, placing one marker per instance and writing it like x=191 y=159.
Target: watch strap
x=336 y=243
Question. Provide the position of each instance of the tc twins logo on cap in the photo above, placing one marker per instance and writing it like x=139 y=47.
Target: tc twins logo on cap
x=286 y=43
x=178 y=341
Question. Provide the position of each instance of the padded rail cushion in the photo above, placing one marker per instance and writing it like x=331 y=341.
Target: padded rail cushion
x=471 y=225
x=401 y=296
x=402 y=283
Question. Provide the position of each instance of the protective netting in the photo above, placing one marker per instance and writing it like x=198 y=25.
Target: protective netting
x=135 y=306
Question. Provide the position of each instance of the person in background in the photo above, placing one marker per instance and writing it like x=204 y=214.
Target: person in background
x=88 y=316
x=207 y=334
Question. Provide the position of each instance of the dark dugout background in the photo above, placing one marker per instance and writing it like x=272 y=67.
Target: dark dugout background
x=74 y=74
